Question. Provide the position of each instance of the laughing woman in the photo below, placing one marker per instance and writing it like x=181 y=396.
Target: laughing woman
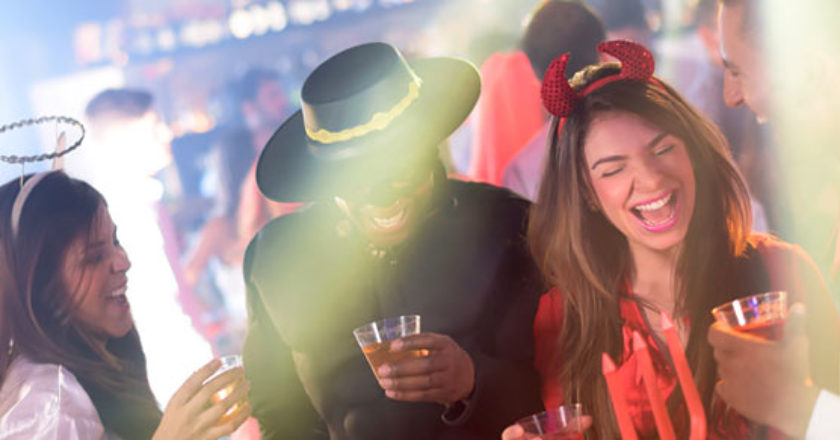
x=73 y=366
x=640 y=211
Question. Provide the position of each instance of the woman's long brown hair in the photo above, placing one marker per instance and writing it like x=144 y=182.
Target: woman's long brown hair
x=38 y=314
x=588 y=259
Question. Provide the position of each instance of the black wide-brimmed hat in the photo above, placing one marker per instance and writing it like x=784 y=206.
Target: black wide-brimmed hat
x=366 y=113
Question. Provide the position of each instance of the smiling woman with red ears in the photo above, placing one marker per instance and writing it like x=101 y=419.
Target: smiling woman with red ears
x=641 y=210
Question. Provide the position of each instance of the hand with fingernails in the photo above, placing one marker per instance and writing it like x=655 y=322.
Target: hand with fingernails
x=190 y=414
x=767 y=381
x=444 y=374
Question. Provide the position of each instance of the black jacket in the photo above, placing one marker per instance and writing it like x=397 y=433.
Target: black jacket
x=311 y=280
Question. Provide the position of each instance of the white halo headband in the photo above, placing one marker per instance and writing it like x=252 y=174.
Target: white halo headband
x=60 y=150
x=40 y=121
x=17 y=207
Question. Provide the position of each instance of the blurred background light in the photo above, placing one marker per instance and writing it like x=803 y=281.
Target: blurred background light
x=241 y=24
x=166 y=40
x=260 y=17
x=276 y=16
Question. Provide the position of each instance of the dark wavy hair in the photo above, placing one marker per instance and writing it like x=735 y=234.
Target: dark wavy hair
x=38 y=314
x=582 y=253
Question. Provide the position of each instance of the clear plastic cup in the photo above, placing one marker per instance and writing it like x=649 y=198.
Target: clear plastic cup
x=761 y=315
x=375 y=340
x=228 y=362
x=561 y=423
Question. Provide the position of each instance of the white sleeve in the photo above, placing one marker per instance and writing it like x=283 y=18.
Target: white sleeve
x=825 y=419
x=49 y=404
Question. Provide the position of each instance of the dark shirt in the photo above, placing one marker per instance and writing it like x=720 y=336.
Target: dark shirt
x=311 y=280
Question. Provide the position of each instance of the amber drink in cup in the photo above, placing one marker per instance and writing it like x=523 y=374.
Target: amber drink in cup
x=228 y=362
x=375 y=340
x=761 y=315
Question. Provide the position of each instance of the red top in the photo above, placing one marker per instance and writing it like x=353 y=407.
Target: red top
x=506 y=116
x=788 y=268
x=548 y=324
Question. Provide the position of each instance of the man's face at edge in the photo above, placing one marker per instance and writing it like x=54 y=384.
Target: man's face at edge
x=745 y=78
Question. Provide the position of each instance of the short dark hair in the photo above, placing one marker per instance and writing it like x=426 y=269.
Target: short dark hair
x=813 y=24
x=560 y=26
x=621 y=14
x=749 y=19
x=705 y=13
x=117 y=104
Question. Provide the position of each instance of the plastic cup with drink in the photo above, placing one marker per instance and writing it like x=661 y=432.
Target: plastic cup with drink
x=375 y=340
x=228 y=362
x=761 y=315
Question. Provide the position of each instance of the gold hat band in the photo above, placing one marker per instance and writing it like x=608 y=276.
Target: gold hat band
x=379 y=121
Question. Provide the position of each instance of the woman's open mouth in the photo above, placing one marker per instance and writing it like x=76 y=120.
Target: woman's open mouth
x=657 y=215
x=117 y=297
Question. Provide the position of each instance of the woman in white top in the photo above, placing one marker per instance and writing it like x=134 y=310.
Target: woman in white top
x=74 y=368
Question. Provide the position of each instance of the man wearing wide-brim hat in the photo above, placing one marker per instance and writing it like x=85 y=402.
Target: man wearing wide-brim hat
x=387 y=234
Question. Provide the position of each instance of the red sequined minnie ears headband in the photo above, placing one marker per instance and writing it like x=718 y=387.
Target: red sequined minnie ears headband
x=559 y=97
